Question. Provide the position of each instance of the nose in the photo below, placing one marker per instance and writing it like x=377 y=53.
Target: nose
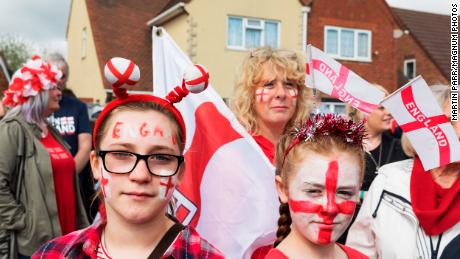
x=331 y=208
x=281 y=91
x=141 y=172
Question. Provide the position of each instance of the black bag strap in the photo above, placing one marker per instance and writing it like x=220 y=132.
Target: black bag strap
x=166 y=241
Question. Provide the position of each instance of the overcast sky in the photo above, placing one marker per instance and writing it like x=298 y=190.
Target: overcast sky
x=44 y=22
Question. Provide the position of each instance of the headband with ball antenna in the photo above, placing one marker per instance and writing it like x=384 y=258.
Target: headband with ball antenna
x=121 y=72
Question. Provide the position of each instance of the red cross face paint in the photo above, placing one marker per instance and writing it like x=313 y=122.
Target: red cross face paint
x=323 y=195
x=167 y=186
x=139 y=196
x=275 y=98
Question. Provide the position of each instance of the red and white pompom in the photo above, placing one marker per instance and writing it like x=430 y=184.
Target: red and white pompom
x=121 y=71
x=196 y=78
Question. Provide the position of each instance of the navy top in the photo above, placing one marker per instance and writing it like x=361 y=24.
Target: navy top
x=70 y=120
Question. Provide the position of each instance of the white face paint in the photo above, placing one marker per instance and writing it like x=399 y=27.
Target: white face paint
x=322 y=196
x=167 y=186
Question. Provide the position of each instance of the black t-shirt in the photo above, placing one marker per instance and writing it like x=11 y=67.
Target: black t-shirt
x=389 y=154
x=70 y=120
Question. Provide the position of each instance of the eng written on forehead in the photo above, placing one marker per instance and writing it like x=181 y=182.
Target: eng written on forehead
x=142 y=130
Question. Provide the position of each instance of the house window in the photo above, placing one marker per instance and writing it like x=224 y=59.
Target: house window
x=247 y=33
x=409 y=68
x=348 y=44
x=332 y=107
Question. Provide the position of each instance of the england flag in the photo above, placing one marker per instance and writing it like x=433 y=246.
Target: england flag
x=334 y=79
x=228 y=190
x=417 y=112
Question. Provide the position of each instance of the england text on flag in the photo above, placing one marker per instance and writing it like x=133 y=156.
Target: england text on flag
x=334 y=79
x=417 y=112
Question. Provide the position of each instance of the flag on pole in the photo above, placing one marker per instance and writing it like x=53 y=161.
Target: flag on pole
x=228 y=190
x=334 y=79
x=420 y=117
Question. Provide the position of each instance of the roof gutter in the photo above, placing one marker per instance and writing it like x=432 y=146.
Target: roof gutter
x=165 y=16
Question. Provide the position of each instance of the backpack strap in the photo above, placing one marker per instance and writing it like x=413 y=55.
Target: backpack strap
x=166 y=241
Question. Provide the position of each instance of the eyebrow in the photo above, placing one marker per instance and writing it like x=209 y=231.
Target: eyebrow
x=317 y=185
x=156 y=148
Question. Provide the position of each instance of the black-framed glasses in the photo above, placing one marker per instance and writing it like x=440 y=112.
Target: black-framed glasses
x=124 y=162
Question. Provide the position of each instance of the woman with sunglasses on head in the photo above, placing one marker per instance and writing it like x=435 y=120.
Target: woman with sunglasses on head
x=139 y=141
x=270 y=95
x=319 y=172
x=39 y=194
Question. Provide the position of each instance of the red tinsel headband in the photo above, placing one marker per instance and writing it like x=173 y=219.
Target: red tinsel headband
x=121 y=72
x=35 y=76
x=328 y=125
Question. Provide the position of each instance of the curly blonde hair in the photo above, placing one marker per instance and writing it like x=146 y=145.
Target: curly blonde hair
x=286 y=61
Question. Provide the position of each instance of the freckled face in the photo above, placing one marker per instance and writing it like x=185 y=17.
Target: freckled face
x=322 y=196
x=138 y=196
x=275 y=97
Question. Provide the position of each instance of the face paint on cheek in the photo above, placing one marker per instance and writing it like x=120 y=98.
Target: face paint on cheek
x=262 y=95
x=167 y=186
x=293 y=93
x=106 y=184
x=328 y=214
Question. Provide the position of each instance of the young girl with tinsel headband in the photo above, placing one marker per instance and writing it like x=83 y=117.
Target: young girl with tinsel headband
x=319 y=174
x=138 y=159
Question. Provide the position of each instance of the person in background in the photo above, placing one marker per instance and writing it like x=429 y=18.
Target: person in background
x=270 y=95
x=72 y=122
x=410 y=212
x=138 y=160
x=46 y=202
x=319 y=172
x=380 y=146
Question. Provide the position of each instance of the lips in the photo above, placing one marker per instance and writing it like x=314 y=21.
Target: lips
x=138 y=195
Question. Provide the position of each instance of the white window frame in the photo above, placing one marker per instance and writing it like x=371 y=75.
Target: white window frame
x=356 y=32
x=246 y=25
x=332 y=106
x=411 y=60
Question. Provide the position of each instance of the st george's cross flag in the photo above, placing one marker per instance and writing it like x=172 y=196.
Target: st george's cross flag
x=228 y=189
x=332 y=78
x=420 y=117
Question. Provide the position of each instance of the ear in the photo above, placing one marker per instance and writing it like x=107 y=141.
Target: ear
x=94 y=161
x=281 y=189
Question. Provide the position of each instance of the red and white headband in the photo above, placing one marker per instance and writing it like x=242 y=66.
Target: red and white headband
x=35 y=76
x=122 y=73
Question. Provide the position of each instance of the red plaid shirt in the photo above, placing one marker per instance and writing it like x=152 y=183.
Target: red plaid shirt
x=83 y=244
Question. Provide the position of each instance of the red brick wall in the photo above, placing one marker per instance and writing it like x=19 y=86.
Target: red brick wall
x=373 y=15
x=408 y=48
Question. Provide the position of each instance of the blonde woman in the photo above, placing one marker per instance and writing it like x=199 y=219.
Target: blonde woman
x=270 y=95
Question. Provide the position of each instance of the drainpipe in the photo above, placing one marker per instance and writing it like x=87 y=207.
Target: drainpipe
x=305 y=11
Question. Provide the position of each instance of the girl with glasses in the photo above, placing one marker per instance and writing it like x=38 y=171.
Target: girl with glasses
x=139 y=141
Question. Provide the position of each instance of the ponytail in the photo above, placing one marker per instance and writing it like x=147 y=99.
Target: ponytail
x=284 y=224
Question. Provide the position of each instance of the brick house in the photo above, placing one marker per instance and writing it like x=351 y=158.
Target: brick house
x=383 y=45
x=368 y=36
x=426 y=48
